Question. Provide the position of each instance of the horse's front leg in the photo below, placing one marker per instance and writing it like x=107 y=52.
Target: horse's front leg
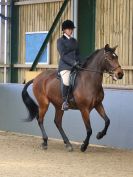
x=101 y=111
x=86 y=119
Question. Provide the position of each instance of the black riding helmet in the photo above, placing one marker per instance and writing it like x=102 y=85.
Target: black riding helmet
x=67 y=24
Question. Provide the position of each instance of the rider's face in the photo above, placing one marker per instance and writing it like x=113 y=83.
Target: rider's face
x=68 y=31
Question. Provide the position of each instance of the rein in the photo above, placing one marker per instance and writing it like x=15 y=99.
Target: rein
x=96 y=71
x=89 y=69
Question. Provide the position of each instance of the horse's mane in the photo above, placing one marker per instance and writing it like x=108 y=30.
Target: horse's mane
x=91 y=56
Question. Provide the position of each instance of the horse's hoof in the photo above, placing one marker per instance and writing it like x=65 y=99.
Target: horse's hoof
x=99 y=135
x=83 y=148
x=44 y=146
x=69 y=147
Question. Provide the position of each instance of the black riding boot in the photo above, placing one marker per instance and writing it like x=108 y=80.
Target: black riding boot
x=65 y=90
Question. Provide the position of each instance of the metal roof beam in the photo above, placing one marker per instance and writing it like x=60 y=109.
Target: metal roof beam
x=19 y=3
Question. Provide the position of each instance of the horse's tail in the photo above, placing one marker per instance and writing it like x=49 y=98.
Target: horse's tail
x=30 y=104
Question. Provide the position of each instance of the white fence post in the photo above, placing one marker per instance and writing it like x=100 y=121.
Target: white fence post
x=4 y=40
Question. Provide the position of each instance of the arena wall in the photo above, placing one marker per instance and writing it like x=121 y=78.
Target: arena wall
x=117 y=103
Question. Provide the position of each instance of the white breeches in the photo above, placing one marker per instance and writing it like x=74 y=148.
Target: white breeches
x=65 y=74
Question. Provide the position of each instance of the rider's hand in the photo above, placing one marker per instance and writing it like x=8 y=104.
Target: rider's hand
x=76 y=63
x=78 y=66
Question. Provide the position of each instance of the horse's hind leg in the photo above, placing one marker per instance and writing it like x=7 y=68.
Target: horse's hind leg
x=101 y=111
x=42 y=110
x=58 y=121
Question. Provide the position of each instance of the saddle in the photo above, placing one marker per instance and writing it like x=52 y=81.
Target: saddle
x=72 y=79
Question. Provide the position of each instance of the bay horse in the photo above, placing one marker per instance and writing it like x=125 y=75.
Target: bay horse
x=88 y=93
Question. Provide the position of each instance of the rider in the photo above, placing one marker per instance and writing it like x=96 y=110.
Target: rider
x=69 y=57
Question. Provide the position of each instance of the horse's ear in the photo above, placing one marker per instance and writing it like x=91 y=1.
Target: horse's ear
x=106 y=47
x=114 y=48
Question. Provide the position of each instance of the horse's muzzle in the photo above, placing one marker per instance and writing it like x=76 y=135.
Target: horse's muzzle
x=120 y=75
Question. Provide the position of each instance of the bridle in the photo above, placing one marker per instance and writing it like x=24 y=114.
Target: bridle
x=110 y=72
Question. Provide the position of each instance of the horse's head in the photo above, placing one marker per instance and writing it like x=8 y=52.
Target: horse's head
x=112 y=65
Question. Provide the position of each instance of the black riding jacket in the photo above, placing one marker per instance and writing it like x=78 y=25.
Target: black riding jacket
x=69 y=53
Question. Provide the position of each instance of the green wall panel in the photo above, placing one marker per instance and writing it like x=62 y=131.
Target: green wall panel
x=86 y=26
x=14 y=41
